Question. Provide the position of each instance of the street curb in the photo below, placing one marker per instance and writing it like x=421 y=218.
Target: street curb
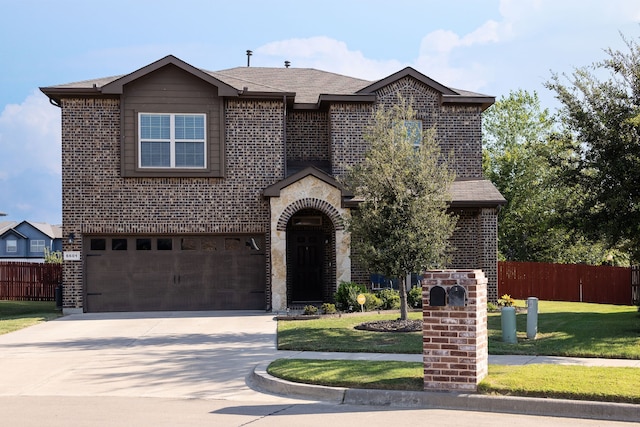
x=263 y=381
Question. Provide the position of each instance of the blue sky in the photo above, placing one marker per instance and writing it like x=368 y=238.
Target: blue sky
x=488 y=46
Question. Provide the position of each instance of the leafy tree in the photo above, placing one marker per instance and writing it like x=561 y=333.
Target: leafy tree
x=402 y=225
x=520 y=139
x=601 y=115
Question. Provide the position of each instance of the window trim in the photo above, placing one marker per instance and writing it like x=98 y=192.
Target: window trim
x=14 y=246
x=41 y=243
x=172 y=141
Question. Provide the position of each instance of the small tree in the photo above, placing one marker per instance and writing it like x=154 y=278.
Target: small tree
x=402 y=225
x=601 y=113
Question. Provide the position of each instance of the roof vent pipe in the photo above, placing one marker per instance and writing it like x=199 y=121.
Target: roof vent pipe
x=249 y=53
x=287 y=64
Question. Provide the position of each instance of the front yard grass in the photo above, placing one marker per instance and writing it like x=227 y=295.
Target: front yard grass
x=573 y=329
x=564 y=329
x=16 y=315
x=550 y=381
x=338 y=334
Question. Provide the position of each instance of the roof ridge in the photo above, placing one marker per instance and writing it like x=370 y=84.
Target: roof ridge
x=217 y=74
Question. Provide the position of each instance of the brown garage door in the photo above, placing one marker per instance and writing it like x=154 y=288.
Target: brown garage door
x=154 y=273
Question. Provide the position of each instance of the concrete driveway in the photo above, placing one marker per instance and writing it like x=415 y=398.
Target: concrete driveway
x=179 y=369
x=204 y=355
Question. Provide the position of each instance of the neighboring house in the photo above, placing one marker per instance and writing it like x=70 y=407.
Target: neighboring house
x=186 y=189
x=27 y=240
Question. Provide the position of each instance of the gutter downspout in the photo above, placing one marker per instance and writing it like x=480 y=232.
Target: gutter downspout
x=284 y=132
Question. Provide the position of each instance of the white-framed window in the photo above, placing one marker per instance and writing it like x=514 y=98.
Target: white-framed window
x=172 y=141
x=11 y=245
x=37 y=246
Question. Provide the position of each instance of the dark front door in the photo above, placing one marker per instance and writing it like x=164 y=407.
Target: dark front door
x=308 y=259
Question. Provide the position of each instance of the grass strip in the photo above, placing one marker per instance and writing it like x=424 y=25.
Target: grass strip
x=350 y=373
x=15 y=315
x=564 y=329
x=564 y=382
x=548 y=381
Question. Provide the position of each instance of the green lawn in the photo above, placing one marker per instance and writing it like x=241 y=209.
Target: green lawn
x=550 y=381
x=574 y=329
x=16 y=315
x=564 y=329
x=338 y=334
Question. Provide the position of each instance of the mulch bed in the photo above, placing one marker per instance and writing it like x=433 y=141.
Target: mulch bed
x=391 y=326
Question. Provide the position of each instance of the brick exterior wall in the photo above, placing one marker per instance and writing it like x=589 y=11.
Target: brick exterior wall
x=459 y=132
x=455 y=339
x=458 y=128
x=96 y=199
x=307 y=136
x=348 y=123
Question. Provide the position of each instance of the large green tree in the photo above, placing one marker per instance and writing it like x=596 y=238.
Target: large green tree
x=601 y=115
x=520 y=141
x=402 y=224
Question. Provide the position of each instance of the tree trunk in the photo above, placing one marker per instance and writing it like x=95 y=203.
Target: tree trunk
x=404 y=309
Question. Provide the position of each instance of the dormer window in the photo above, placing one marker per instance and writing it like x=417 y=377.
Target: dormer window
x=172 y=141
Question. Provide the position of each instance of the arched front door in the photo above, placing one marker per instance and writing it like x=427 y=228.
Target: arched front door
x=307 y=259
x=310 y=258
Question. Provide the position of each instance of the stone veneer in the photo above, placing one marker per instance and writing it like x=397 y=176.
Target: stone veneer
x=309 y=192
x=455 y=339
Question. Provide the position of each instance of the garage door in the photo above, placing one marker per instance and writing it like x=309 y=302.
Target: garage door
x=155 y=273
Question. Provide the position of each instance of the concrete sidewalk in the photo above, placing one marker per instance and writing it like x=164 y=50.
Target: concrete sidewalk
x=493 y=359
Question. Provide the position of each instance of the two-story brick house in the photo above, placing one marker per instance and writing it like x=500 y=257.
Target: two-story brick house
x=186 y=189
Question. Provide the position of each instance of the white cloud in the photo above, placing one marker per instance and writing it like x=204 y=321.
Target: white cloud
x=30 y=165
x=327 y=54
x=30 y=133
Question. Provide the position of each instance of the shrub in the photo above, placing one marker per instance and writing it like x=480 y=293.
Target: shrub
x=491 y=307
x=310 y=309
x=328 y=308
x=347 y=295
x=414 y=297
x=390 y=299
x=506 y=301
x=372 y=303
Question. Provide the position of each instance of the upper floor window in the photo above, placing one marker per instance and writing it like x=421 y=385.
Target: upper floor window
x=414 y=132
x=172 y=140
x=12 y=245
x=37 y=246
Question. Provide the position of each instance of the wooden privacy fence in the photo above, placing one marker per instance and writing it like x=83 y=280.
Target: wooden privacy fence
x=565 y=282
x=26 y=281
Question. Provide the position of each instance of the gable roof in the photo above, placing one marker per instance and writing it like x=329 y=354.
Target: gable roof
x=307 y=88
x=274 y=190
x=12 y=231
x=449 y=95
x=116 y=86
x=51 y=231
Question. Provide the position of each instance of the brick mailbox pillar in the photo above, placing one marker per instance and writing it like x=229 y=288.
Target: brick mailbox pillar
x=454 y=331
